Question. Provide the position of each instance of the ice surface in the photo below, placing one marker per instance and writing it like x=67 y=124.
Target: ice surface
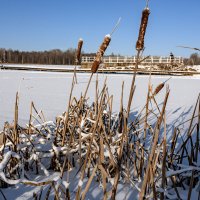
x=50 y=93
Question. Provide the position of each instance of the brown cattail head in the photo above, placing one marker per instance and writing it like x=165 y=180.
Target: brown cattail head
x=158 y=89
x=143 y=26
x=78 y=52
x=100 y=53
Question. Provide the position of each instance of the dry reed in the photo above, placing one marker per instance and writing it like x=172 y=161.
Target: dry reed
x=143 y=26
x=100 y=53
x=78 y=52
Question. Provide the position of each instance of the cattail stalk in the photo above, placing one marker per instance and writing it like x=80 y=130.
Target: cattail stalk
x=164 y=158
x=143 y=26
x=160 y=87
x=100 y=53
x=78 y=52
x=16 y=134
x=97 y=60
x=153 y=149
x=139 y=47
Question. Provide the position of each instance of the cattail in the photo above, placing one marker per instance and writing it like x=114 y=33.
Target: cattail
x=78 y=52
x=143 y=26
x=158 y=89
x=100 y=53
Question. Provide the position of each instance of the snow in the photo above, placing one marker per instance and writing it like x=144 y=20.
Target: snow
x=6 y=159
x=41 y=66
x=108 y=36
x=50 y=93
x=80 y=183
x=172 y=173
x=195 y=67
x=19 y=192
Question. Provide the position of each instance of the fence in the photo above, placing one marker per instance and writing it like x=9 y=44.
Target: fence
x=132 y=60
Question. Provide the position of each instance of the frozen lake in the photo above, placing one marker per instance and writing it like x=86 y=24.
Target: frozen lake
x=50 y=92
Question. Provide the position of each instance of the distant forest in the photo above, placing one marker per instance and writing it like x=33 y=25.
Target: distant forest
x=51 y=57
x=59 y=57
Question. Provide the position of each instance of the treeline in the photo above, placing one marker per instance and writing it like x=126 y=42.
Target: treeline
x=59 y=57
x=193 y=60
x=52 y=57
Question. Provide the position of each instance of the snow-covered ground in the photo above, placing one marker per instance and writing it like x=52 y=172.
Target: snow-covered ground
x=195 y=67
x=50 y=91
x=40 y=66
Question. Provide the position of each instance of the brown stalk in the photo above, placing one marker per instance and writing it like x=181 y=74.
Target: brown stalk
x=121 y=110
x=143 y=26
x=16 y=134
x=164 y=159
x=67 y=112
x=132 y=89
x=30 y=118
x=154 y=145
x=48 y=192
x=117 y=174
x=100 y=53
x=197 y=136
x=56 y=197
x=89 y=182
x=91 y=141
x=191 y=186
x=147 y=108
x=34 y=108
x=153 y=184
x=189 y=132
x=78 y=52
x=158 y=89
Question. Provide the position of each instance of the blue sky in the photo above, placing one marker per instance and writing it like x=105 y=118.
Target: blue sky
x=58 y=24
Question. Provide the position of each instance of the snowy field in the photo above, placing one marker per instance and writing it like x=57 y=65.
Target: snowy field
x=50 y=91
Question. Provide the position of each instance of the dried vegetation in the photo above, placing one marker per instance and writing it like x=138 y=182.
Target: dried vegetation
x=103 y=148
